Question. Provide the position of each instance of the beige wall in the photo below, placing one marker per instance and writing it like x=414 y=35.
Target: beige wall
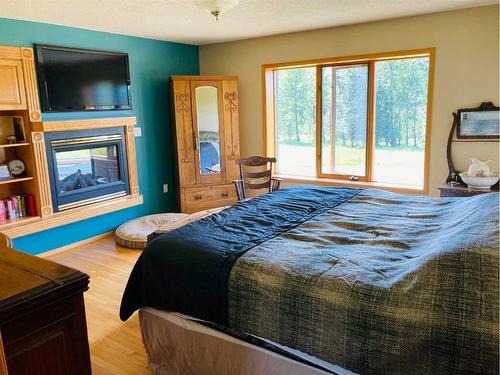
x=467 y=69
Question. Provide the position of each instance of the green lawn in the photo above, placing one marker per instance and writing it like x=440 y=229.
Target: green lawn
x=393 y=165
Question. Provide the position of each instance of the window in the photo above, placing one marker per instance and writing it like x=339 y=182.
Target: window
x=344 y=120
x=364 y=119
x=295 y=120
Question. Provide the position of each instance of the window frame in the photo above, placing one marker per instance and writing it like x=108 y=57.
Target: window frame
x=269 y=116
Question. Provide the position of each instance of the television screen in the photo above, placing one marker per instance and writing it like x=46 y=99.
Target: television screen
x=72 y=79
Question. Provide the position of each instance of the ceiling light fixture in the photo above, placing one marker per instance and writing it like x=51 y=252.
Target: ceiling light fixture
x=216 y=7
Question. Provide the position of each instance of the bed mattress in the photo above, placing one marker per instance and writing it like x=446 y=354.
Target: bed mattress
x=177 y=344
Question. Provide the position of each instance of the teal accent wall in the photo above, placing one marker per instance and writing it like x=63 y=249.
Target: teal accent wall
x=152 y=62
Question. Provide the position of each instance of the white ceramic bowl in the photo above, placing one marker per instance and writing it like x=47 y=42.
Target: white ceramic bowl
x=479 y=182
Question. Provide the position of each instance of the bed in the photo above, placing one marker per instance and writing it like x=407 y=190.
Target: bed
x=365 y=280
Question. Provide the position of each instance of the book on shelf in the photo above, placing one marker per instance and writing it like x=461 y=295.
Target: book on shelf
x=17 y=206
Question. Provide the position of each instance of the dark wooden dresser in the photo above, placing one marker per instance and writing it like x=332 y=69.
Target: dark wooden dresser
x=463 y=191
x=43 y=330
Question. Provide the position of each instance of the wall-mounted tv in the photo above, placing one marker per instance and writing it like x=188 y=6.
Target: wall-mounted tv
x=71 y=80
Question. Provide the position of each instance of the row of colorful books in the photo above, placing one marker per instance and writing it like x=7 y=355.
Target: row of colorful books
x=17 y=206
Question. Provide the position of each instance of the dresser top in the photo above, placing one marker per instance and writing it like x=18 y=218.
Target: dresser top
x=494 y=189
x=25 y=277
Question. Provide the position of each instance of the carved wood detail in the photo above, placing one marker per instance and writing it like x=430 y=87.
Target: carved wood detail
x=30 y=84
x=183 y=128
x=231 y=121
x=231 y=107
x=184 y=107
x=183 y=101
x=132 y=162
x=42 y=174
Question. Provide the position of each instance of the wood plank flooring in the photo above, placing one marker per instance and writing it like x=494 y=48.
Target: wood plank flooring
x=115 y=346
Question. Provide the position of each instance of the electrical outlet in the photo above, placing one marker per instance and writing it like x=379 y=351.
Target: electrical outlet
x=165 y=188
x=137 y=131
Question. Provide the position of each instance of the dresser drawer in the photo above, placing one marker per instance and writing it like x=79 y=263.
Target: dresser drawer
x=202 y=198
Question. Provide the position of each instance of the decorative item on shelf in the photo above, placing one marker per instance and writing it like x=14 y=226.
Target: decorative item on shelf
x=480 y=174
x=11 y=139
x=16 y=167
x=479 y=168
x=454 y=180
x=4 y=172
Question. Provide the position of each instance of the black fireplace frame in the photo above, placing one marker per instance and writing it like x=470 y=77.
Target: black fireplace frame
x=121 y=187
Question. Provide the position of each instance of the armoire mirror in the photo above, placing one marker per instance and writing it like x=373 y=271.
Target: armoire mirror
x=207 y=113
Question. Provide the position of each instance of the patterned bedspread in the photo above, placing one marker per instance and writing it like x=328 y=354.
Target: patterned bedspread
x=384 y=283
x=371 y=281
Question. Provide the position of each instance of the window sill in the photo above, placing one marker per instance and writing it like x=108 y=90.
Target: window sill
x=403 y=189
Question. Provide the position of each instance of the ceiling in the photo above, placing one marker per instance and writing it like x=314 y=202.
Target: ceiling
x=182 y=21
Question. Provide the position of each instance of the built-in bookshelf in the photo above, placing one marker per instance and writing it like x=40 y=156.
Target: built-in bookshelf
x=15 y=145
x=19 y=107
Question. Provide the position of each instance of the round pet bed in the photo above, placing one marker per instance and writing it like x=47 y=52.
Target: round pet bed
x=134 y=233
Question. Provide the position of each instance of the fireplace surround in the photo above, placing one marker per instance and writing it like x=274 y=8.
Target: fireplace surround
x=86 y=166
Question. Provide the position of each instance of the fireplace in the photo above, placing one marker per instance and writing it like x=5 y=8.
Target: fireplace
x=86 y=166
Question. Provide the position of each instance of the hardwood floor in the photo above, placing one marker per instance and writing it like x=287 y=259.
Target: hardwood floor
x=115 y=346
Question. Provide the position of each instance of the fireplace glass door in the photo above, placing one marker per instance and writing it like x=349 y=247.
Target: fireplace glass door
x=86 y=169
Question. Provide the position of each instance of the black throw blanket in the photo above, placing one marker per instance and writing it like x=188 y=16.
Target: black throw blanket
x=187 y=270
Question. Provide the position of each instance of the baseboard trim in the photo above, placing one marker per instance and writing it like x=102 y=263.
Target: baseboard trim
x=75 y=244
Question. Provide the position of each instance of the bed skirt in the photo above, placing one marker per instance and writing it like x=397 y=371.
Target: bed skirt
x=175 y=344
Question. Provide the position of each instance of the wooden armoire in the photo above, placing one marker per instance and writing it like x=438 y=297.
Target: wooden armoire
x=205 y=110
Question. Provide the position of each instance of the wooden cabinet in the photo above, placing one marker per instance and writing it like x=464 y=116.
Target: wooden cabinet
x=12 y=94
x=205 y=111
x=42 y=317
x=18 y=81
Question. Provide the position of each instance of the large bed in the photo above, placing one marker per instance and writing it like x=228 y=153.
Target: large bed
x=364 y=280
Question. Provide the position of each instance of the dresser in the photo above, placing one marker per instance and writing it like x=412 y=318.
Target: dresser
x=463 y=191
x=43 y=329
x=206 y=131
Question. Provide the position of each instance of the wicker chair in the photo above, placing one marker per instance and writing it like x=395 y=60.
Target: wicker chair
x=262 y=170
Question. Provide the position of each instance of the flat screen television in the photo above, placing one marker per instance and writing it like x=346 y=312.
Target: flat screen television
x=71 y=79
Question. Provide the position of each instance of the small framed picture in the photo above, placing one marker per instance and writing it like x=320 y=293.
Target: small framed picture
x=5 y=172
x=482 y=122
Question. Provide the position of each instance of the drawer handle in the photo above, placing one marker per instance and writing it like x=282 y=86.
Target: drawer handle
x=198 y=197
x=224 y=194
